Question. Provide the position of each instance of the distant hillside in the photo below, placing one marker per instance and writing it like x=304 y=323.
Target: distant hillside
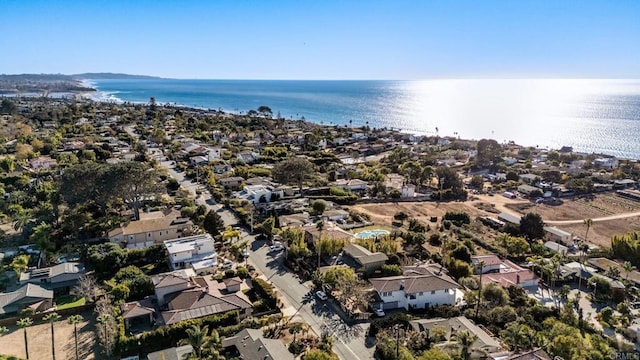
x=41 y=83
x=111 y=76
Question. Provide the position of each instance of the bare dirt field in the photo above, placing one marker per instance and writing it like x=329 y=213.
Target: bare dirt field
x=39 y=340
x=576 y=209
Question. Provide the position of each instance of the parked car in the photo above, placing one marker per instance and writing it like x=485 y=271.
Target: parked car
x=227 y=264
x=245 y=253
x=276 y=247
x=378 y=312
x=321 y=295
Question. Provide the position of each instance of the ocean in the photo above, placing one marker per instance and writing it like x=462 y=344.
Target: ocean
x=591 y=115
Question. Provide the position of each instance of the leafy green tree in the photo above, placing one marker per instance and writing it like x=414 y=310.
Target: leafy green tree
x=139 y=284
x=517 y=246
x=317 y=354
x=391 y=270
x=518 y=337
x=319 y=206
x=293 y=171
x=532 y=226
x=465 y=340
x=106 y=259
x=336 y=275
x=213 y=223
x=42 y=237
x=477 y=182
x=434 y=354
x=495 y=294
x=267 y=227
x=488 y=151
x=20 y=263
x=448 y=179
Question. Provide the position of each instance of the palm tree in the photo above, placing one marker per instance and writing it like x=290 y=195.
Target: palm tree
x=104 y=320
x=51 y=318
x=628 y=268
x=481 y=264
x=75 y=320
x=588 y=223
x=24 y=323
x=465 y=339
x=197 y=338
x=319 y=227
x=563 y=293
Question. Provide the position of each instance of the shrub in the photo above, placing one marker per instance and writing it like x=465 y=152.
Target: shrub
x=435 y=240
x=458 y=218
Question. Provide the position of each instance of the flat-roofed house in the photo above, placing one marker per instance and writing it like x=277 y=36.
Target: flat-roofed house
x=196 y=252
x=558 y=235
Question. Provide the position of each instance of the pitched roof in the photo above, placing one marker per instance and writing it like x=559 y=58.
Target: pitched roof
x=170 y=279
x=27 y=291
x=137 y=308
x=53 y=271
x=364 y=256
x=415 y=279
x=174 y=353
x=147 y=225
x=195 y=303
x=534 y=354
x=252 y=345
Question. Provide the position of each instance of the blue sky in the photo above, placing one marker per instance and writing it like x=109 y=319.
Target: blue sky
x=330 y=39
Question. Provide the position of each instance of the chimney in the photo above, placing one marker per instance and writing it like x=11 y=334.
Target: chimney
x=401 y=284
x=518 y=279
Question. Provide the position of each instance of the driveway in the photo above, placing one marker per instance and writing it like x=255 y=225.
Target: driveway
x=300 y=301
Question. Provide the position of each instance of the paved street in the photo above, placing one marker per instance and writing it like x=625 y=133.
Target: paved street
x=300 y=301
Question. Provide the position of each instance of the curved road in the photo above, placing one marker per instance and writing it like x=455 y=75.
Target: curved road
x=604 y=218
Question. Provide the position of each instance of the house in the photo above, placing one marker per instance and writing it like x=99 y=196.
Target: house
x=408 y=190
x=248 y=157
x=232 y=182
x=294 y=220
x=394 y=181
x=529 y=178
x=251 y=344
x=152 y=228
x=503 y=272
x=60 y=278
x=28 y=295
x=335 y=214
x=172 y=282
x=485 y=343
x=42 y=162
x=312 y=234
x=509 y=218
x=220 y=169
x=603 y=264
x=554 y=246
x=608 y=163
x=558 y=235
x=351 y=185
x=138 y=313
x=174 y=353
x=533 y=354
x=207 y=297
x=196 y=252
x=417 y=288
x=258 y=193
x=624 y=184
x=528 y=189
x=363 y=260
x=74 y=145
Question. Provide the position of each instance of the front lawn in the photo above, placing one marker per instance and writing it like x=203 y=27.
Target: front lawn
x=68 y=301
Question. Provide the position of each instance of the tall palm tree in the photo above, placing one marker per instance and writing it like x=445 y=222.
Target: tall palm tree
x=197 y=338
x=51 y=318
x=24 y=323
x=465 y=340
x=104 y=320
x=75 y=320
x=563 y=293
x=628 y=268
x=481 y=264
x=588 y=223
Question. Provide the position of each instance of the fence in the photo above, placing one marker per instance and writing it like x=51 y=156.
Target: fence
x=11 y=321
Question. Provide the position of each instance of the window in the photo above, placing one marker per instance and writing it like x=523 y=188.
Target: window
x=386 y=293
x=148 y=234
x=421 y=293
x=433 y=292
x=446 y=291
x=412 y=296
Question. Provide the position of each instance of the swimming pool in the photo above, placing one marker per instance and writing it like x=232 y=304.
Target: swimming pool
x=371 y=233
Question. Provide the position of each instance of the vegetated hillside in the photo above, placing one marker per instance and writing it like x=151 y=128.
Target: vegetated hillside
x=40 y=83
x=111 y=76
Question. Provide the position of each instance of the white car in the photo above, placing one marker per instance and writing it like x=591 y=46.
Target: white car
x=378 y=312
x=227 y=264
x=276 y=248
x=245 y=253
x=321 y=295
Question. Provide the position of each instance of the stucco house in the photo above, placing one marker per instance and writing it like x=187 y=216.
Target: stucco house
x=362 y=259
x=251 y=344
x=152 y=228
x=196 y=252
x=503 y=272
x=417 y=288
x=28 y=295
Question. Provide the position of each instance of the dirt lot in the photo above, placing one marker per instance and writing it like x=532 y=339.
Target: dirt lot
x=578 y=209
x=39 y=340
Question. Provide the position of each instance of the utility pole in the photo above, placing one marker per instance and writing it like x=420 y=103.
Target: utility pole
x=397 y=328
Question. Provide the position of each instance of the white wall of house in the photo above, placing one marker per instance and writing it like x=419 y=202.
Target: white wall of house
x=422 y=299
x=164 y=291
x=408 y=191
